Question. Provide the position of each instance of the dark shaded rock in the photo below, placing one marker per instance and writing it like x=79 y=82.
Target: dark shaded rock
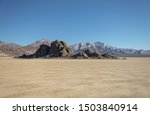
x=26 y=56
x=42 y=51
x=92 y=53
x=109 y=56
x=60 y=49
x=23 y=56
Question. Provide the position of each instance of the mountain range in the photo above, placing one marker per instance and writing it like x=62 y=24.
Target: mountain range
x=104 y=48
x=12 y=49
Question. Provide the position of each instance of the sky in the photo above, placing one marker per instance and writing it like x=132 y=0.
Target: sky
x=120 y=23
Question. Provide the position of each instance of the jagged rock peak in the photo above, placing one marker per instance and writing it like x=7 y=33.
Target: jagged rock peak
x=60 y=49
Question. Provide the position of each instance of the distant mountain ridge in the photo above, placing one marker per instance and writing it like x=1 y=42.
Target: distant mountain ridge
x=103 y=48
x=31 y=48
x=12 y=49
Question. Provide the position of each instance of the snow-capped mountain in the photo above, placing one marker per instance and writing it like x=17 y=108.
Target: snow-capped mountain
x=104 y=48
x=82 y=46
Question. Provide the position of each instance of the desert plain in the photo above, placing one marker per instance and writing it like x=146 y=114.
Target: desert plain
x=74 y=78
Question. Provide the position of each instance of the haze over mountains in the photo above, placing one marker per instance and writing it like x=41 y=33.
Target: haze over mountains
x=12 y=49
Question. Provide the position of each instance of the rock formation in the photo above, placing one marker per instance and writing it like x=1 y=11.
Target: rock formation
x=92 y=53
x=55 y=50
x=42 y=51
x=60 y=49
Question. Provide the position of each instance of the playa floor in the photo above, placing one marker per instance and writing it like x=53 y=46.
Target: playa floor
x=74 y=78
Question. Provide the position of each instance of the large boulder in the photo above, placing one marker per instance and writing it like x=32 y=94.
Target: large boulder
x=92 y=53
x=60 y=49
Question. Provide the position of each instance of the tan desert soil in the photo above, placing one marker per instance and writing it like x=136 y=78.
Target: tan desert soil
x=74 y=78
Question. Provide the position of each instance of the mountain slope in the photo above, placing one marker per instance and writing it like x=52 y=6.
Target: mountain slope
x=2 y=54
x=31 y=48
x=12 y=49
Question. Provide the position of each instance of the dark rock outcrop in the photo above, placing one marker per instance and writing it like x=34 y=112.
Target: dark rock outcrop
x=60 y=49
x=57 y=49
x=92 y=53
x=42 y=51
x=109 y=56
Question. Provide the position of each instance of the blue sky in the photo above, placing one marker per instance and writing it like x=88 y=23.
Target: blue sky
x=121 y=23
